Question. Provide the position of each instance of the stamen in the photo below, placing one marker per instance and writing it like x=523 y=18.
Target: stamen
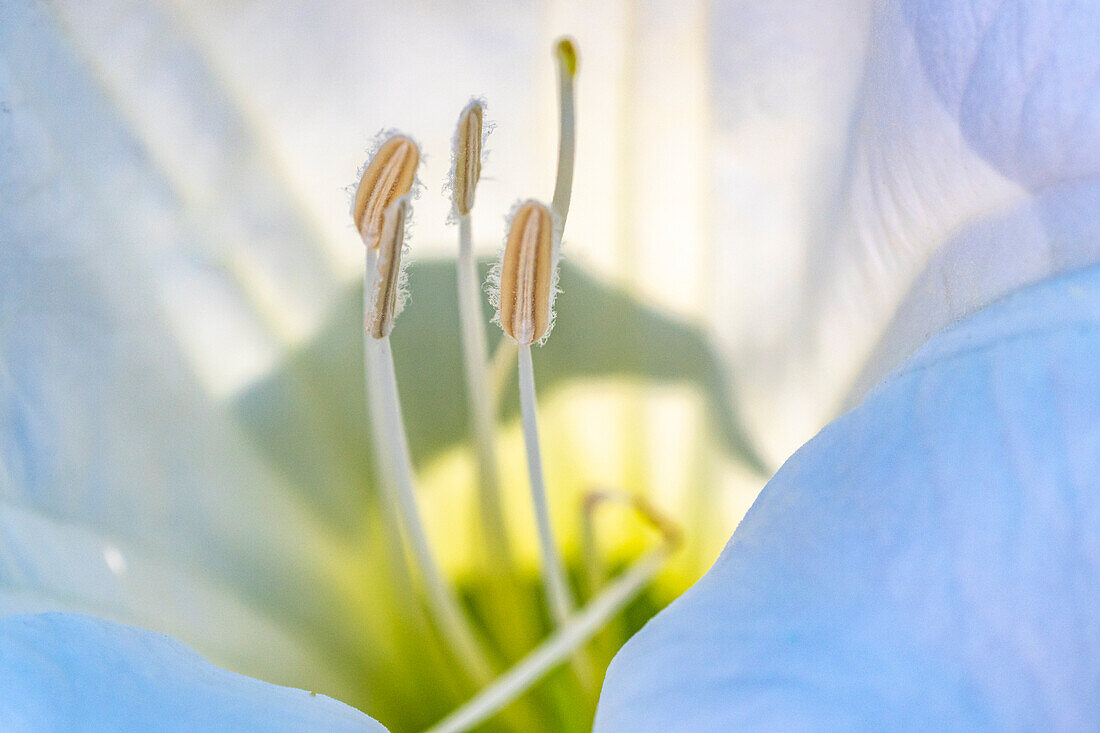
x=501 y=367
x=381 y=303
x=398 y=483
x=554 y=577
x=389 y=176
x=526 y=273
x=467 y=170
x=391 y=242
x=523 y=309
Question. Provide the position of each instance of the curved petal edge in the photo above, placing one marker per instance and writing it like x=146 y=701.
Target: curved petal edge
x=62 y=671
x=931 y=560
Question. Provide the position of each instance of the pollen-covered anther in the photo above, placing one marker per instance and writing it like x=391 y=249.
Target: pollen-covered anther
x=389 y=176
x=468 y=157
x=526 y=273
x=385 y=295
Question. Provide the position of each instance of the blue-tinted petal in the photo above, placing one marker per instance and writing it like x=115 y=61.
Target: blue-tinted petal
x=872 y=147
x=68 y=672
x=1022 y=78
x=930 y=560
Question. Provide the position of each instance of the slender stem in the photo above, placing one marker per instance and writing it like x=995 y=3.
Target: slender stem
x=500 y=371
x=408 y=606
x=393 y=456
x=557 y=648
x=392 y=523
x=558 y=594
x=563 y=185
x=475 y=360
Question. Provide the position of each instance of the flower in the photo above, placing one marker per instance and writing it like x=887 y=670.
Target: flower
x=929 y=560
x=183 y=445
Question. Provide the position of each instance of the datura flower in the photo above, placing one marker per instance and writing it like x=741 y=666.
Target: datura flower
x=884 y=208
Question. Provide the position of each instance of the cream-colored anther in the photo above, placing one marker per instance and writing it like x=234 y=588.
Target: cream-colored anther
x=391 y=242
x=389 y=176
x=525 y=274
x=468 y=157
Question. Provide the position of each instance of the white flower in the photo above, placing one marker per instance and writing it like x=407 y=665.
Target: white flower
x=172 y=232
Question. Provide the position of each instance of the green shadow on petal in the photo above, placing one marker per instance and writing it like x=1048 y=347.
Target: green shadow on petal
x=309 y=417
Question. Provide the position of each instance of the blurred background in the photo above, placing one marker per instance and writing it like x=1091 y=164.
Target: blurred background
x=186 y=446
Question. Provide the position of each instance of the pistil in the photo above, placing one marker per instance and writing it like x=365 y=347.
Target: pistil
x=565 y=54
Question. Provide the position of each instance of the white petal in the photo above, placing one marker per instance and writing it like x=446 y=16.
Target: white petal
x=113 y=428
x=46 y=564
x=886 y=169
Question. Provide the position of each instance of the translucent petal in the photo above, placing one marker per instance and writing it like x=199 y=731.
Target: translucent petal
x=123 y=321
x=866 y=155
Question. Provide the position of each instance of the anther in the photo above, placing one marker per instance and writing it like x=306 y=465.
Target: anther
x=525 y=274
x=389 y=176
x=468 y=157
x=390 y=243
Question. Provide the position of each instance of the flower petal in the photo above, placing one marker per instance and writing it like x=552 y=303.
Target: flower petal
x=122 y=315
x=64 y=672
x=930 y=560
x=862 y=141
x=1022 y=78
